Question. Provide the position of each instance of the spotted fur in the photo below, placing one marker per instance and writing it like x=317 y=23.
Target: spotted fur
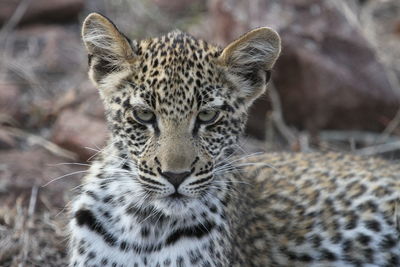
x=167 y=191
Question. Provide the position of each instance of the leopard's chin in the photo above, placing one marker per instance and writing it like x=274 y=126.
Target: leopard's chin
x=176 y=205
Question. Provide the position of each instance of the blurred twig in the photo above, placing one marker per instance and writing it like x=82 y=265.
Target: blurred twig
x=35 y=139
x=366 y=25
x=379 y=149
x=14 y=19
x=368 y=138
x=391 y=127
x=277 y=116
x=29 y=225
x=7 y=28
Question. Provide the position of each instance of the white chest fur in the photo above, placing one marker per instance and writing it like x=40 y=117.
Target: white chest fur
x=109 y=229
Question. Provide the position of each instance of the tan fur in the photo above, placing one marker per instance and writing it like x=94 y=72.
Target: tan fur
x=99 y=33
x=265 y=37
x=259 y=48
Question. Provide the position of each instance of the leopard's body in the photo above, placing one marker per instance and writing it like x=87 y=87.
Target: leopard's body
x=166 y=191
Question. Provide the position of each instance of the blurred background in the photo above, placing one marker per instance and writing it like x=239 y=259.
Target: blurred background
x=335 y=88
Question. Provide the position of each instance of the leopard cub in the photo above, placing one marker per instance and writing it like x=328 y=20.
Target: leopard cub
x=168 y=189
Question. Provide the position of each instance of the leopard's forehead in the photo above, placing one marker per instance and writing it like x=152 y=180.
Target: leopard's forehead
x=176 y=74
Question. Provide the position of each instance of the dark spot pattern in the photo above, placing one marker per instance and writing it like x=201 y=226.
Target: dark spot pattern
x=306 y=201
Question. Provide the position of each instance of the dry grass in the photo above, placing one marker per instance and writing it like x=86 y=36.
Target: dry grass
x=32 y=236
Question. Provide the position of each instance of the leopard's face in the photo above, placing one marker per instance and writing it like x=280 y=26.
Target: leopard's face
x=176 y=105
x=175 y=114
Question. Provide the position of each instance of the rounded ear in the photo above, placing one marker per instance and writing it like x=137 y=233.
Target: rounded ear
x=248 y=60
x=109 y=50
x=103 y=39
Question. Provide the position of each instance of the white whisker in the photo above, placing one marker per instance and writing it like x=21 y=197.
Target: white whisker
x=69 y=163
x=63 y=176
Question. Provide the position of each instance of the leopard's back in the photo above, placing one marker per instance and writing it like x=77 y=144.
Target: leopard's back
x=332 y=209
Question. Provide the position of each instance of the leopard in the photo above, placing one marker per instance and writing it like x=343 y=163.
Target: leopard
x=171 y=187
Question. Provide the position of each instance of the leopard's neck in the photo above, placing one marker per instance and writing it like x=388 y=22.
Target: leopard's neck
x=127 y=219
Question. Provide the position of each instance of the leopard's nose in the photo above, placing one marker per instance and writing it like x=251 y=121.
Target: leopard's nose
x=176 y=178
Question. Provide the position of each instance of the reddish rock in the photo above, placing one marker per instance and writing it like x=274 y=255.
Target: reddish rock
x=76 y=131
x=43 y=10
x=337 y=85
x=328 y=77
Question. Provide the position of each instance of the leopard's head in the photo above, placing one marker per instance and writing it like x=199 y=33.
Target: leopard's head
x=176 y=105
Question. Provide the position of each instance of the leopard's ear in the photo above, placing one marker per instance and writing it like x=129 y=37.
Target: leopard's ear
x=109 y=50
x=248 y=61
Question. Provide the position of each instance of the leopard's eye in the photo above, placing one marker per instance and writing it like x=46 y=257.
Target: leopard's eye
x=207 y=116
x=144 y=115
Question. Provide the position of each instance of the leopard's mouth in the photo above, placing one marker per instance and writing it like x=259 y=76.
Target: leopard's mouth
x=176 y=196
x=177 y=199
